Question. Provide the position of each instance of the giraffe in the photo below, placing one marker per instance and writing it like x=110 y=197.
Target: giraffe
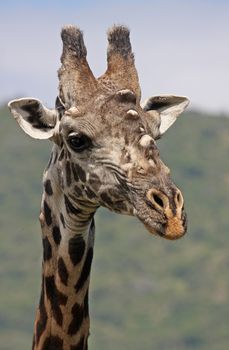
x=104 y=154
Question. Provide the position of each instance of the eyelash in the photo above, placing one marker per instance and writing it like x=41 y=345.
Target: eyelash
x=79 y=142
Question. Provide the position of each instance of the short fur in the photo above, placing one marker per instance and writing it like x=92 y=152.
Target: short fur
x=104 y=154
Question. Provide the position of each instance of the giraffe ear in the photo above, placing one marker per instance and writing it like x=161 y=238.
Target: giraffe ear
x=36 y=120
x=169 y=107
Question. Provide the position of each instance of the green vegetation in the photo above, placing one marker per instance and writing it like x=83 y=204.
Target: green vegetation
x=146 y=293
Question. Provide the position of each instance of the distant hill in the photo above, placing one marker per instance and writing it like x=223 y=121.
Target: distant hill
x=146 y=293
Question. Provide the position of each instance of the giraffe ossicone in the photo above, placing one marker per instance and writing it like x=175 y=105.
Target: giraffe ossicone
x=104 y=154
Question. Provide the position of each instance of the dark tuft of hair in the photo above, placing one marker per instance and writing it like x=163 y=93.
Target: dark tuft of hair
x=73 y=42
x=119 y=41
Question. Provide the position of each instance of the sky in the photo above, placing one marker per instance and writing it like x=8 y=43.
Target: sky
x=181 y=47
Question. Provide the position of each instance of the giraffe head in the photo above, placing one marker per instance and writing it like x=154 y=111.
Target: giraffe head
x=105 y=140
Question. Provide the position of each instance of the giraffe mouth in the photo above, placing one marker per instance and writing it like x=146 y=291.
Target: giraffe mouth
x=170 y=231
x=172 y=228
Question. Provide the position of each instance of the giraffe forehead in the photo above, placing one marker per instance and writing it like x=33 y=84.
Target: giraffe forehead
x=106 y=117
x=113 y=123
x=81 y=124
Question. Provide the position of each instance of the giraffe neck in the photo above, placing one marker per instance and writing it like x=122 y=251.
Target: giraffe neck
x=62 y=319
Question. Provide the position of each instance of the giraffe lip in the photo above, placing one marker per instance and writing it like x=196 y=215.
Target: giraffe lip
x=165 y=231
x=171 y=229
x=156 y=228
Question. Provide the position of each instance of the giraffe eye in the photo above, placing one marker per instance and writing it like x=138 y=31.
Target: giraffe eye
x=79 y=142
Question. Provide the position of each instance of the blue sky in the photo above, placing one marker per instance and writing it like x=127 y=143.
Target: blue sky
x=180 y=47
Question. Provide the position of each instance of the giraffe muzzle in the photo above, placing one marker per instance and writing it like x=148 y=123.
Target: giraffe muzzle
x=171 y=209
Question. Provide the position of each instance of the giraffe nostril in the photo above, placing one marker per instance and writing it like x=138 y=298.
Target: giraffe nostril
x=158 y=200
x=179 y=199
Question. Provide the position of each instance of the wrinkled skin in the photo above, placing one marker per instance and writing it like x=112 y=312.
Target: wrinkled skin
x=122 y=165
x=119 y=159
x=104 y=154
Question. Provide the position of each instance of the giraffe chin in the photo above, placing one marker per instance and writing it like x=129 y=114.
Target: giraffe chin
x=173 y=230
